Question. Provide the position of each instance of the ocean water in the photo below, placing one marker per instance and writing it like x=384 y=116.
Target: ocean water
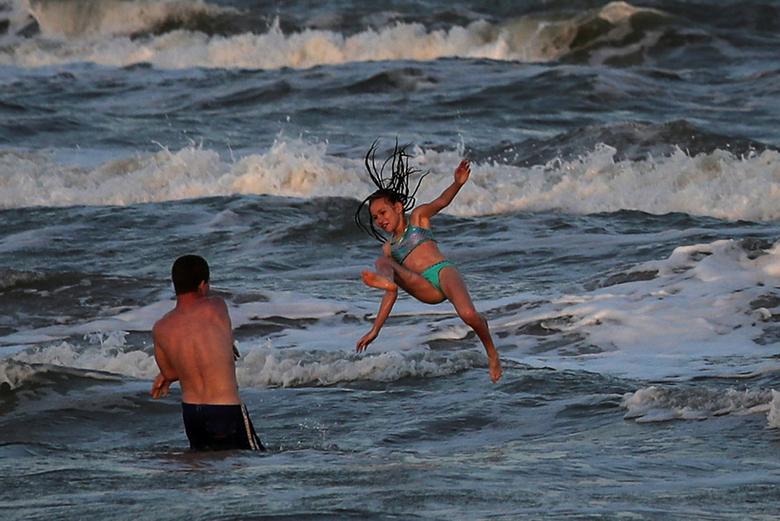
x=620 y=231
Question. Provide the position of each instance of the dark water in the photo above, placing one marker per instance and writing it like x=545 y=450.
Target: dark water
x=618 y=231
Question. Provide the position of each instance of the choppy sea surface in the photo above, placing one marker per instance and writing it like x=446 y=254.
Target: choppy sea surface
x=620 y=232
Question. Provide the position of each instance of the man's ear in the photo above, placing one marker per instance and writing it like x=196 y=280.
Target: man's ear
x=399 y=208
x=203 y=287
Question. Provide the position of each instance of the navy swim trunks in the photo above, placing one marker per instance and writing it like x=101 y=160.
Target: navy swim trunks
x=219 y=427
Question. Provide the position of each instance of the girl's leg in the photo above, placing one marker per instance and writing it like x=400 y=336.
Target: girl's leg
x=383 y=278
x=455 y=290
x=389 y=275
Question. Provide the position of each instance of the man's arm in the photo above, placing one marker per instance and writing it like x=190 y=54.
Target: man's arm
x=160 y=387
x=167 y=374
x=422 y=214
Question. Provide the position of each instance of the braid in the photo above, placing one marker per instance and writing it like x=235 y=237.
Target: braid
x=394 y=188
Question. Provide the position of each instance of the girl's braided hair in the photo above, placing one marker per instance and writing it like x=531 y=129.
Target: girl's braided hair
x=394 y=188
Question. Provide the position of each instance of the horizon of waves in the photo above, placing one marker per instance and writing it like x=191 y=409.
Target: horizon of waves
x=107 y=33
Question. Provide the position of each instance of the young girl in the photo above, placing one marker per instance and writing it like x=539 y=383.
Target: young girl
x=411 y=259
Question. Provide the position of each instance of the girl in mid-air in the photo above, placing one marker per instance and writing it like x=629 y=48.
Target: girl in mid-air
x=411 y=259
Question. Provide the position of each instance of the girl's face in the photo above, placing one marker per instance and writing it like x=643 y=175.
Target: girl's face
x=386 y=215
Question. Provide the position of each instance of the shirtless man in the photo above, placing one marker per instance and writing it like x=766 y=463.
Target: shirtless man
x=193 y=343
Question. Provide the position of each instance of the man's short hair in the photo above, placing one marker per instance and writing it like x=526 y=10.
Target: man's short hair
x=188 y=272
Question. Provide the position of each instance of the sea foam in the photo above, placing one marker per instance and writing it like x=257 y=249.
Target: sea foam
x=773 y=418
x=92 y=18
x=717 y=184
x=700 y=314
x=657 y=403
x=94 y=32
x=260 y=366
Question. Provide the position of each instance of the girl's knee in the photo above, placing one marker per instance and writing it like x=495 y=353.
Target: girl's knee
x=471 y=317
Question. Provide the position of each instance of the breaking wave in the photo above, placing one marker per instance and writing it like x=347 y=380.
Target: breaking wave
x=659 y=404
x=718 y=184
x=100 y=32
x=259 y=367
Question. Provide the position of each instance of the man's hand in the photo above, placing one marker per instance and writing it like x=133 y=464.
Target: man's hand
x=160 y=387
x=462 y=172
x=363 y=342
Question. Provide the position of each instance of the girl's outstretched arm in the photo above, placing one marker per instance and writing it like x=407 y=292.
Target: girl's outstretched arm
x=424 y=212
x=384 y=311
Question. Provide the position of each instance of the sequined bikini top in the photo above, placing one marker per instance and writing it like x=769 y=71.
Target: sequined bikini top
x=413 y=236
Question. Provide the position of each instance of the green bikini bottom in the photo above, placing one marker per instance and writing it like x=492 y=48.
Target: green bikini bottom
x=431 y=273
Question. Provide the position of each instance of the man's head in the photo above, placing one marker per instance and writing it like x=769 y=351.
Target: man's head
x=188 y=273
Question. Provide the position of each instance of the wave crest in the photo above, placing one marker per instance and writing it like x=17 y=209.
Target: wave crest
x=602 y=35
x=659 y=404
x=269 y=368
x=92 y=18
x=259 y=367
x=774 y=411
x=717 y=184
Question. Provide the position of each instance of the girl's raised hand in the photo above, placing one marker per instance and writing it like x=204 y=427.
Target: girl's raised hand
x=462 y=172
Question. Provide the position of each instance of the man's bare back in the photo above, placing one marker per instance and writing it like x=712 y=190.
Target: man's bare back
x=193 y=343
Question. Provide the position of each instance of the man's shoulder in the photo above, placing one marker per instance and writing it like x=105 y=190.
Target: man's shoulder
x=215 y=299
x=218 y=303
x=210 y=306
x=162 y=323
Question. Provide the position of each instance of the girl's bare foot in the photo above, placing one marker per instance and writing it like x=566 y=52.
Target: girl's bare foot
x=377 y=281
x=494 y=365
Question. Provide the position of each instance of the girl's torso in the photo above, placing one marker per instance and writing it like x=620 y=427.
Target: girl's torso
x=416 y=249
